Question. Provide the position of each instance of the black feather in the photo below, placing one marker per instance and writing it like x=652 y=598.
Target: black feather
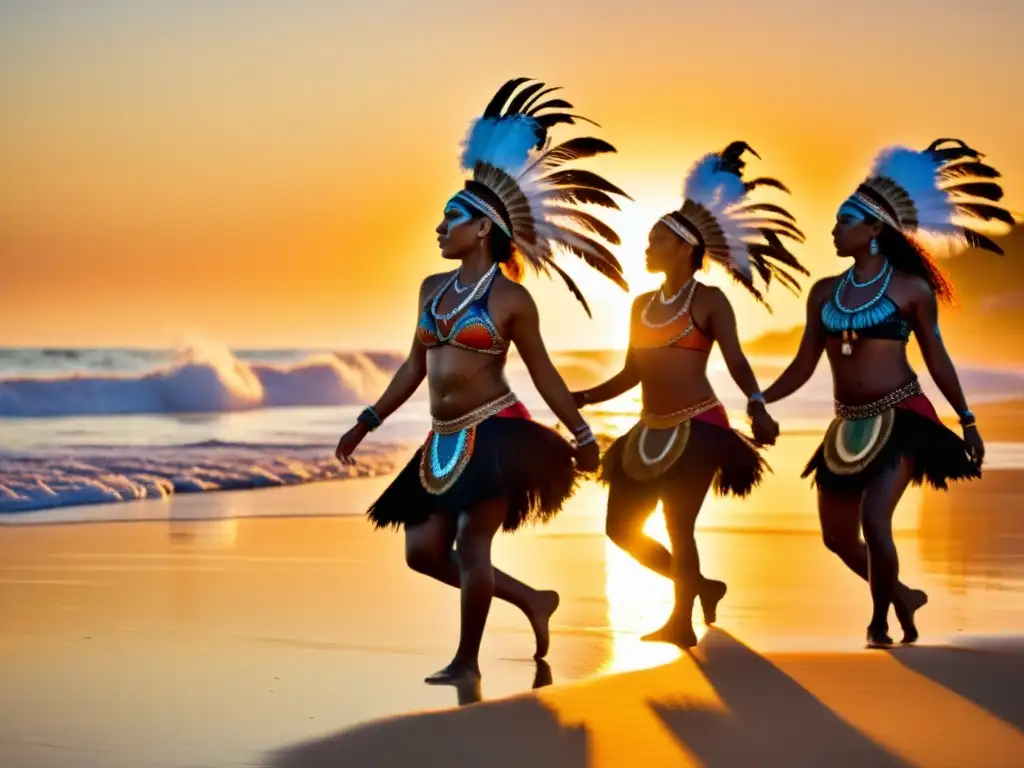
x=986 y=189
x=955 y=153
x=764 y=181
x=576 y=177
x=540 y=96
x=986 y=212
x=731 y=158
x=595 y=255
x=497 y=103
x=767 y=208
x=785 y=228
x=737 y=148
x=581 y=196
x=557 y=118
x=969 y=167
x=553 y=104
x=588 y=221
x=515 y=107
x=571 y=285
x=961 y=147
x=978 y=240
x=576 y=149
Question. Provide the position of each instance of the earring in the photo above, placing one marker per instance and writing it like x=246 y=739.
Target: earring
x=874 y=247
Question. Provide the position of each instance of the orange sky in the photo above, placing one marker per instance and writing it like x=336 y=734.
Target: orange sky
x=264 y=175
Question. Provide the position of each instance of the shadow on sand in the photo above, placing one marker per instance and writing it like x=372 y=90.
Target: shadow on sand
x=991 y=676
x=767 y=718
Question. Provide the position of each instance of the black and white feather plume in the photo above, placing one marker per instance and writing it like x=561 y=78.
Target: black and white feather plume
x=742 y=234
x=944 y=191
x=529 y=188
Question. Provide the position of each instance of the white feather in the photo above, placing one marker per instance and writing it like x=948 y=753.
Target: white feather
x=918 y=174
x=713 y=188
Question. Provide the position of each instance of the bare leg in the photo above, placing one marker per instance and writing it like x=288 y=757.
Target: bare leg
x=625 y=527
x=877 y=508
x=681 y=509
x=840 y=517
x=473 y=538
x=428 y=550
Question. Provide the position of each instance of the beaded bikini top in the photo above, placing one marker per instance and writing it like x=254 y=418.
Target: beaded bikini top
x=877 y=318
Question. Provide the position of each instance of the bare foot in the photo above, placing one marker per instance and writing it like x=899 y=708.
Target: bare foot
x=711 y=595
x=878 y=637
x=675 y=631
x=456 y=673
x=539 y=614
x=912 y=602
x=542 y=677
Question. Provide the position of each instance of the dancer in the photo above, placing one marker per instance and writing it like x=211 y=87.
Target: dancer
x=886 y=434
x=485 y=465
x=683 y=442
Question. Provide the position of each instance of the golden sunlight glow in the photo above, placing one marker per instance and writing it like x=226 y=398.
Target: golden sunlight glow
x=639 y=601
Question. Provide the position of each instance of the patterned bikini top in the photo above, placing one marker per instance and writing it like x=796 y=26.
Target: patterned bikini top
x=473 y=329
x=879 y=318
x=679 y=331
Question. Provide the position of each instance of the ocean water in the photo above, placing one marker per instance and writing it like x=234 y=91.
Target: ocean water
x=84 y=426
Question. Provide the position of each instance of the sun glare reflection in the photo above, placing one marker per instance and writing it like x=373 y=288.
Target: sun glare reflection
x=639 y=601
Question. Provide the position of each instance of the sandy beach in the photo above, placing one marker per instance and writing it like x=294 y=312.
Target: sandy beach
x=260 y=628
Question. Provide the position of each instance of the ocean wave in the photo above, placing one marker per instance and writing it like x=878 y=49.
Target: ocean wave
x=48 y=479
x=201 y=380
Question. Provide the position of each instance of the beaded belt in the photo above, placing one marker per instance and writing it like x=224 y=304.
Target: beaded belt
x=669 y=420
x=478 y=414
x=867 y=410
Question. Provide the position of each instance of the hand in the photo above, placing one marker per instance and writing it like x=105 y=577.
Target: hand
x=588 y=457
x=579 y=399
x=764 y=427
x=975 y=445
x=348 y=443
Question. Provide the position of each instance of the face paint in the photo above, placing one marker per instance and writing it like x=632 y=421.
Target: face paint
x=849 y=214
x=457 y=214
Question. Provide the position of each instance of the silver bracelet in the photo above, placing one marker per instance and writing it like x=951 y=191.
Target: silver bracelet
x=757 y=397
x=584 y=436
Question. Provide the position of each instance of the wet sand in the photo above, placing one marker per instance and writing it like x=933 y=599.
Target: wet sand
x=223 y=635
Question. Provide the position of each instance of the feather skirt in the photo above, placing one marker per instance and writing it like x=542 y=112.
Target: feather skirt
x=738 y=466
x=526 y=463
x=937 y=454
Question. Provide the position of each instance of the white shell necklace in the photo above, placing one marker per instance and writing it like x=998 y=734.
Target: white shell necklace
x=676 y=295
x=683 y=309
x=478 y=289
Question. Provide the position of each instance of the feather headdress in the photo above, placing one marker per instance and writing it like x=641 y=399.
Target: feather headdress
x=742 y=235
x=521 y=182
x=931 y=191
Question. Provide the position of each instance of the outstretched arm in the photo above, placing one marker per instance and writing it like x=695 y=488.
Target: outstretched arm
x=812 y=344
x=550 y=385
x=619 y=384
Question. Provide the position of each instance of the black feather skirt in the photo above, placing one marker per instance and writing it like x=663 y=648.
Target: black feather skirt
x=854 y=453
x=736 y=463
x=503 y=457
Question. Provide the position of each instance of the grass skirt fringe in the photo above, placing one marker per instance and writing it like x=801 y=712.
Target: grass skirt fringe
x=517 y=459
x=937 y=454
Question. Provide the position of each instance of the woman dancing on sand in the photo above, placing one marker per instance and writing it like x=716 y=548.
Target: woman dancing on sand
x=683 y=442
x=485 y=465
x=886 y=434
